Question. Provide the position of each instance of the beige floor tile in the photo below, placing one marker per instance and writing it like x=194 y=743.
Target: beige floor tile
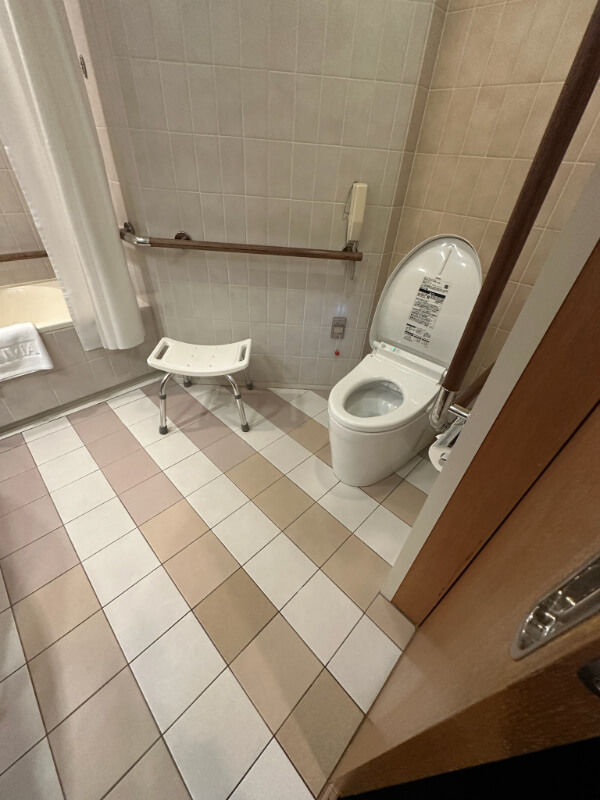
x=358 y=571
x=98 y=743
x=54 y=610
x=234 y=613
x=391 y=621
x=201 y=567
x=276 y=669
x=27 y=524
x=318 y=731
x=254 y=475
x=20 y=490
x=73 y=668
x=229 y=451
x=38 y=563
x=154 y=776
x=283 y=502
x=325 y=454
x=173 y=529
x=150 y=497
x=311 y=435
x=317 y=533
x=127 y=472
x=406 y=501
x=380 y=490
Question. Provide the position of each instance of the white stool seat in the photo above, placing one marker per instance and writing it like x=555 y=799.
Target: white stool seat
x=201 y=361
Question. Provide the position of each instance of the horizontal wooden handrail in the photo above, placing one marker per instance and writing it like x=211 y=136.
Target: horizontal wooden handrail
x=232 y=247
x=23 y=256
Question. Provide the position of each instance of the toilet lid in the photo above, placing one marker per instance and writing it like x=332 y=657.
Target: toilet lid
x=427 y=300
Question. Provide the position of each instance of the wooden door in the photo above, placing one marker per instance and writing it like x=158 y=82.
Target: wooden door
x=457 y=697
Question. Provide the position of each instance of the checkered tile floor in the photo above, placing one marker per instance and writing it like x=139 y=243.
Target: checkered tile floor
x=196 y=614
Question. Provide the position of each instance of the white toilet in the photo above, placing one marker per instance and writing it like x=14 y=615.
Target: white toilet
x=378 y=413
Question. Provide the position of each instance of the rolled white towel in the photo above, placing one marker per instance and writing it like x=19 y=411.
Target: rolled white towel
x=22 y=351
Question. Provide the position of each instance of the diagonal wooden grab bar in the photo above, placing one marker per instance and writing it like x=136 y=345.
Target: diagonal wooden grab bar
x=23 y=256
x=230 y=247
x=572 y=101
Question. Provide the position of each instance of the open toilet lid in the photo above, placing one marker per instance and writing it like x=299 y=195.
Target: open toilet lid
x=427 y=300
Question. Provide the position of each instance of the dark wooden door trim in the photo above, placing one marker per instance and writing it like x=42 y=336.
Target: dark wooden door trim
x=556 y=391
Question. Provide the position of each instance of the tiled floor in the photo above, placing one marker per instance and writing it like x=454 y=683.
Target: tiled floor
x=195 y=614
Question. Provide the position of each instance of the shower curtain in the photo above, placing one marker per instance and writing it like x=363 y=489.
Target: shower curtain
x=48 y=132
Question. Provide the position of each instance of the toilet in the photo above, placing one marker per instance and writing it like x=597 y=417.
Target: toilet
x=379 y=412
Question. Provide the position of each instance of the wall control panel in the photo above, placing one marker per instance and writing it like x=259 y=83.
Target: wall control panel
x=338 y=327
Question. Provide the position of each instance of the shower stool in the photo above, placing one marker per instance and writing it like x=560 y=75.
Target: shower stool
x=201 y=361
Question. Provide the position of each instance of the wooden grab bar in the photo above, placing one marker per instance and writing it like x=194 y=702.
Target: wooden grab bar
x=23 y=256
x=181 y=242
x=572 y=101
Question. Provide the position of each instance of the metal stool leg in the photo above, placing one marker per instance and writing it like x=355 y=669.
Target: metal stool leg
x=187 y=381
x=249 y=384
x=163 y=402
x=240 y=405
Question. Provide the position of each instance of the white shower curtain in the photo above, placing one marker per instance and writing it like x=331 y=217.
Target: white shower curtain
x=48 y=132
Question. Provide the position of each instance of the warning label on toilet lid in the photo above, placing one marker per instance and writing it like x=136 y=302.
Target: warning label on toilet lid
x=425 y=311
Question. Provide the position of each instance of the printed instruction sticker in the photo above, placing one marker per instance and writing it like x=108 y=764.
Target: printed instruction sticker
x=425 y=311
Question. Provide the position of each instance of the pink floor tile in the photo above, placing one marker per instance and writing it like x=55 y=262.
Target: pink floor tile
x=149 y=498
x=130 y=471
x=20 y=490
x=27 y=524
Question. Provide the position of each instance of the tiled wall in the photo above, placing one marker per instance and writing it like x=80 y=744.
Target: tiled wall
x=499 y=69
x=77 y=374
x=18 y=232
x=248 y=120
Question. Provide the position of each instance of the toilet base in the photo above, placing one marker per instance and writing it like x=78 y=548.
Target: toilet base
x=361 y=459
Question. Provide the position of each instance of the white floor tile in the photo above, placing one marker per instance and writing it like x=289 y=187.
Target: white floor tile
x=409 y=466
x=45 y=428
x=348 y=504
x=20 y=721
x=136 y=411
x=192 y=473
x=33 y=777
x=145 y=611
x=313 y=476
x=322 y=418
x=99 y=527
x=216 y=741
x=311 y=403
x=322 y=615
x=280 y=569
x=384 y=533
x=261 y=434
x=272 y=777
x=120 y=565
x=215 y=397
x=423 y=476
x=146 y=431
x=363 y=662
x=11 y=652
x=246 y=532
x=230 y=416
x=128 y=397
x=68 y=468
x=285 y=453
x=82 y=495
x=176 y=669
x=54 y=445
x=217 y=500
x=168 y=450
x=287 y=394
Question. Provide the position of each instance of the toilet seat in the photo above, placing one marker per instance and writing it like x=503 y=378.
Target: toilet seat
x=417 y=383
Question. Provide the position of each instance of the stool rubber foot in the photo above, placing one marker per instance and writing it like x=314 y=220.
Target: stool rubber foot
x=250 y=385
x=187 y=382
x=162 y=429
x=246 y=428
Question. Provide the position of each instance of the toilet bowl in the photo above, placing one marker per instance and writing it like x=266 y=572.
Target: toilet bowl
x=379 y=412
